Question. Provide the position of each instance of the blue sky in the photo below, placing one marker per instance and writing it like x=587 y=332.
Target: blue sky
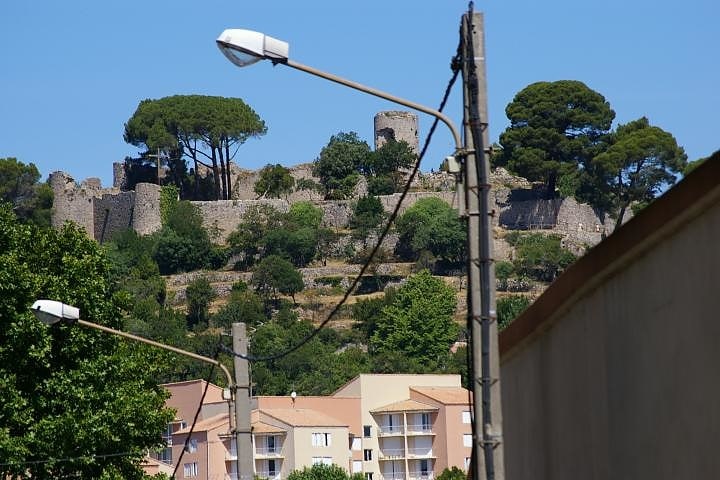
x=73 y=72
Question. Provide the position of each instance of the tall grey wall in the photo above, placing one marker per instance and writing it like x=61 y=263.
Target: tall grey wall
x=619 y=379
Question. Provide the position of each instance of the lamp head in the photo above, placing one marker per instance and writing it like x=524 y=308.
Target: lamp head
x=245 y=47
x=50 y=312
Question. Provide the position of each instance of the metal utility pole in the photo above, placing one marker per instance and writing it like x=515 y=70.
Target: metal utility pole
x=487 y=434
x=243 y=439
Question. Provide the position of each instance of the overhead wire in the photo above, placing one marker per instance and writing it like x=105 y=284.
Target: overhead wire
x=455 y=66
x=197 y=415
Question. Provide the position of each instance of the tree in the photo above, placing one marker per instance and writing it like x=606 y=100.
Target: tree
x=298 y=246
x=244 y=307
x=275 y=275
x=69 y=392
x=641 y=161
x=555 y=128
x=199 y=295
x=385 y=166
x=453 y=473
x=323 y=472
x=275 y=181
x=368 y=214
x=432 y=225
x=419 y=322
x=247 y=238
x=339 y=163
x=539 y=256
x=31 y=201
x=204 y=129
x=508 y=308
x=304 y=215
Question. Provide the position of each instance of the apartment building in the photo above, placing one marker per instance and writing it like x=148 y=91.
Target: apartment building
x=387 y=427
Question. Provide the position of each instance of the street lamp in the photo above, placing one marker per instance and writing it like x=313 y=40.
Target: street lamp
x=51 y=312
x=245 y=47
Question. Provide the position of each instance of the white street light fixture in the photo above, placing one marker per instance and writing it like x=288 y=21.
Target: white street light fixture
x=245 y=47
x=51 y=312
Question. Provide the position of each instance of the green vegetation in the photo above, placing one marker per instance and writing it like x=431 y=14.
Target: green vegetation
x=274 y=275
x=324 y=472
x=69 y=392
x=338 y=165
x=198 y=128
x=538 y=256
x=31 y=201
x=275 y=181
x=431 y=225
x=508 y=308
x=453 y=473
x=199 y=294
x=367 y=217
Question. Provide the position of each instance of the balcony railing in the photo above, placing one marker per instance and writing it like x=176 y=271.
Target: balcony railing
x=419 y=428
x=420 y=452
x=391 y=430
x=268 y=451
x=391 y=453
x=269 y=474
x=420 y=475
x=394 y=476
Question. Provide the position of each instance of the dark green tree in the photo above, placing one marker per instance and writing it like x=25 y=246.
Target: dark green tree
x=540 y=256
x=67 y=391
x=304 y=215
x=368 y=214
x=298 y=246
x=431 y=225
x=419 y=322
x=199 y=294
x=453 y=473
x=339 y=163
x=275 y=181
x=274 y=275
x=641 y=161
x=204 y=129
x=385 y=167
x=247 y=238
x=31 y=201
x=246 y=307
x=323 y=472
x=555 y=128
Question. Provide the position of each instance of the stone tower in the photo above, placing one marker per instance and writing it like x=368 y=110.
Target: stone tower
x=396 y=126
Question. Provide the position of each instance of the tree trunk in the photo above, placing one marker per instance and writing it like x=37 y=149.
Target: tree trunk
x=551 y=183
x=216 y=174
x=229 y=176
x=222 y=172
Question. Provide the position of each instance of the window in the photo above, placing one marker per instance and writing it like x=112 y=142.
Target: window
x=367 y=454
x=466 y=416
x=321 y=439
x=190 y=469
x=367 y=431
x=467 y=463
x=322 y=460
x=368 y=476
x=271 y=468
x=424 y=467
x=271 y=444
x=183 y=425
x=467 y=440
x=425 y=421
x=192 y=446
x=356 y=444
x=357 y=466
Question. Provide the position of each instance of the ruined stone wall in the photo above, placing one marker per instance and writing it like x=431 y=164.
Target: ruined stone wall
x=146 y=211
x=72 y=202
x=398 y=126
x=112 y=213
x=223 y=216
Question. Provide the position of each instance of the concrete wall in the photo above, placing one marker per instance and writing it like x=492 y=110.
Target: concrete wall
x=612 y=372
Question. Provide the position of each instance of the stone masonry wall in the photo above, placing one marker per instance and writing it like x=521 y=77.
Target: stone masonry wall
x=112 y=213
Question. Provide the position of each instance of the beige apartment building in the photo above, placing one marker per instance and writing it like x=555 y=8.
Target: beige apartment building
x=392 y=427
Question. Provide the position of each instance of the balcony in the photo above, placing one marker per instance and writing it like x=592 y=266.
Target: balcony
x=420 y=453
x=268 y=452
x=390 y=430
x=420 y=475
x=391 y=454
x=268 y=474
x=394 y=476
x=420 y=429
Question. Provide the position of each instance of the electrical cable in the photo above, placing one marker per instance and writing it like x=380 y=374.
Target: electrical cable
x=197 y=414
x=375 y=249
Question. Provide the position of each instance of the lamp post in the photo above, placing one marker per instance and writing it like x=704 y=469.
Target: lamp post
x=51 y=312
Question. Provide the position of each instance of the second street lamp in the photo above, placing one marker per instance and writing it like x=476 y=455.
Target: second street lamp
x=51 y=312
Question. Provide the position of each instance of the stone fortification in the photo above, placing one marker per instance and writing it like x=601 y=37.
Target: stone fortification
x=398 y=126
